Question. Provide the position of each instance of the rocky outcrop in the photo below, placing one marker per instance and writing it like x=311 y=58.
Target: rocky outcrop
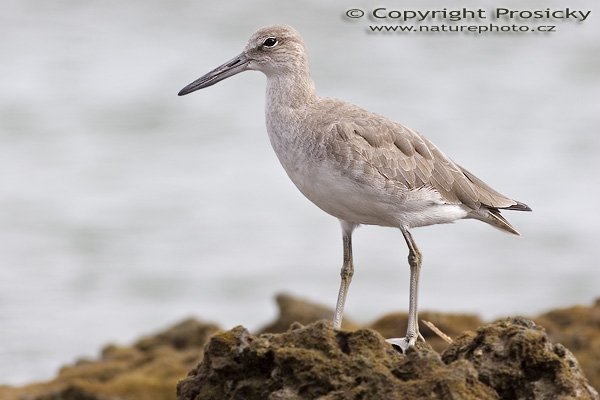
x=317 y=362
x=511 y=359
x=508 y=359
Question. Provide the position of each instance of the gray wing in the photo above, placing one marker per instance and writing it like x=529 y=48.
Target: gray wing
x=403 y=157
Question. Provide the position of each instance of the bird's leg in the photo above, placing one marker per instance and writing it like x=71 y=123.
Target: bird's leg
x=347 y=272
x=414 y=260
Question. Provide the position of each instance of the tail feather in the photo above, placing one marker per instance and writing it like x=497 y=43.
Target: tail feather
x=490 y=198
x=518 y=207
x=492 y=216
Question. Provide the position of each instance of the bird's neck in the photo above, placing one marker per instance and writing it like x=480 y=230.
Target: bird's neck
x=292 y=91
x=289 y=100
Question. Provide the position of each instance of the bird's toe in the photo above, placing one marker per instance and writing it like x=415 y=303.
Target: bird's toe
x=402 y=344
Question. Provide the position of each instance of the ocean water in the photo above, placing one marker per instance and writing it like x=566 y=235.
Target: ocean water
x=124 y=208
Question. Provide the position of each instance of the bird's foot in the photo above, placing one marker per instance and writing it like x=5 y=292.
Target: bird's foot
x=404 y=343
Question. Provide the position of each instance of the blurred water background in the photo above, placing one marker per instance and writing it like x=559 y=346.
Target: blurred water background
x=124 y=208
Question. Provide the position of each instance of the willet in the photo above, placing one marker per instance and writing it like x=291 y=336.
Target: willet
x=358 y=166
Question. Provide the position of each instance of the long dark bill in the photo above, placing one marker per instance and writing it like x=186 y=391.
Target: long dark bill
x=230 y=68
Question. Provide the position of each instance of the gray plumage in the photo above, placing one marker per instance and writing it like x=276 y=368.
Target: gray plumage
x=356 y=165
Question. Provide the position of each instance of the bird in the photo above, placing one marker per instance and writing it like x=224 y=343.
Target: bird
x=356 y=165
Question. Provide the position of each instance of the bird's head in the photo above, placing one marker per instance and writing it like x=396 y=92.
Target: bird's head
x=274 y=50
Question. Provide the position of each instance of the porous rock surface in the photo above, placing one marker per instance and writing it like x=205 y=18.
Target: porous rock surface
x=511 y=359
x=578 y=329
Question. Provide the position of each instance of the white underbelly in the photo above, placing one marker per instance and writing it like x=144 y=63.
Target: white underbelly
x=359 y=203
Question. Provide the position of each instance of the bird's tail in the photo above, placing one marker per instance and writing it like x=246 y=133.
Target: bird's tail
x=492 y=216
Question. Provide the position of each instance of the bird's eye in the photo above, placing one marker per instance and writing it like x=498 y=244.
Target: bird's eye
x=270 y=42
